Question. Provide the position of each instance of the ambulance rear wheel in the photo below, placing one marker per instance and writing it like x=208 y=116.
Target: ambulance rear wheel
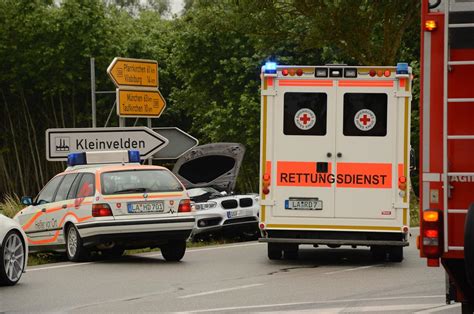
x=379 y=253
x=395 y=254
x=75 y=250
x=469 y=245
x=291 y=253
x=274 y=251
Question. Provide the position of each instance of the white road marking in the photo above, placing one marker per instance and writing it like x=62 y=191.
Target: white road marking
x=251 y=307
x=350 y=269
x=219 y=291
x=58 y=266
x=361 y=309
x=212 y=248
x=144 y=254
x=440 y=308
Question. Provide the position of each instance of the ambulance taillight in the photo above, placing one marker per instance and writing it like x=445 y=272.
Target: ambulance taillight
x=266 y=184
x=432 y=236
x=430 y=25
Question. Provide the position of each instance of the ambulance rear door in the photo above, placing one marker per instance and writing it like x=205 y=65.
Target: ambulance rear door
x=304 y=143
x=366 y=148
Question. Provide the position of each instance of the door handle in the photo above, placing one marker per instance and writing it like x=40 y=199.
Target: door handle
x=43 y=210
x=339 y=155
x=329 y=155
x=64 y=206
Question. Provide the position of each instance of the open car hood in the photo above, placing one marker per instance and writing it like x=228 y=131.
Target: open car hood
x=216 y=165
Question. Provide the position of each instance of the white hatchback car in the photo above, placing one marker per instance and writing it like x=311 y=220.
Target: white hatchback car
x=109 y=202
x=13 y=251
x=209 y=172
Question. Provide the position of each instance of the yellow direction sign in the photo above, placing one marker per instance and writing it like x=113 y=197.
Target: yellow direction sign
x=139 y=103
x=133 y=72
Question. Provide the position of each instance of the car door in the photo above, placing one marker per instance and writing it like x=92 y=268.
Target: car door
x=62 y=204
x=33 y=218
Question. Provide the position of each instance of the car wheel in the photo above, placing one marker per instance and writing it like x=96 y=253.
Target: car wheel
x=174 y=250
x=75 y=251
x=469 y=245
x=274 y=251
x=395 y=254
x=12 y=257
x=379 y=253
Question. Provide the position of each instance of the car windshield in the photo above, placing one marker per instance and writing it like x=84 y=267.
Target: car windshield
x=139 y=181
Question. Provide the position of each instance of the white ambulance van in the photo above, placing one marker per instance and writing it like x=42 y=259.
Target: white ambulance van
x=334 y=158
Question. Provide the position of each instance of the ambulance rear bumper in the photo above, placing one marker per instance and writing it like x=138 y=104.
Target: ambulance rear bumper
x=335 y=242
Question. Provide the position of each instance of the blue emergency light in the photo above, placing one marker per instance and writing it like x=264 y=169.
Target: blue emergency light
x=75 y=159
x=270 y=68
x=133 y=156
x=402 y=68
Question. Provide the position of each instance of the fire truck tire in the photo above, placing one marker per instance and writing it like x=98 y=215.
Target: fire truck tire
x=395 y=254
x=379 y=253
x=274 y=251
x=467 y=308
x=469 y=245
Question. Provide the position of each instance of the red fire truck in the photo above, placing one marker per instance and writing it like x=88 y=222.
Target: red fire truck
x=447 y=144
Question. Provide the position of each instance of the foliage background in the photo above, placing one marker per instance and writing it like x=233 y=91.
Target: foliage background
x=209 y=65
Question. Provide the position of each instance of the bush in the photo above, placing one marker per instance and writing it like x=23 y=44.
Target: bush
x=10 y=205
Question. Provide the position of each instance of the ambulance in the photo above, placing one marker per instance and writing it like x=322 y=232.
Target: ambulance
x=334 y=158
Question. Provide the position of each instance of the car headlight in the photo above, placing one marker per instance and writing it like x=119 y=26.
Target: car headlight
x=204 y=206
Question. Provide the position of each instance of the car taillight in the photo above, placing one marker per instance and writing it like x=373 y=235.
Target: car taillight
x=101 y=210
x=432 y=235
x=184 y=206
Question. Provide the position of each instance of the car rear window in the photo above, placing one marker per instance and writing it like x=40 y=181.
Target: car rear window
x=138 y=181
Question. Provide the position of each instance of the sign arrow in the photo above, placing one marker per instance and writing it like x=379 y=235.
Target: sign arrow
x=140 y=103
x=134 y=72
x=61 y=142
x=180 y=143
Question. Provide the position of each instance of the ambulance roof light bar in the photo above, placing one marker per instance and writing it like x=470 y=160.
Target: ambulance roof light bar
x=403 y=70
x=105 y=157
x=270 y=68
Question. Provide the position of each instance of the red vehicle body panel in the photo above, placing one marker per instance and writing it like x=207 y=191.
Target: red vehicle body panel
x=460 y=122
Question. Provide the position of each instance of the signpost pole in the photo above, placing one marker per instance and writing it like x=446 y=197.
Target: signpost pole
x=94 y=118
x=148 y=124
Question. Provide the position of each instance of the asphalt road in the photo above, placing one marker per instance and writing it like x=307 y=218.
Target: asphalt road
x=234 y=278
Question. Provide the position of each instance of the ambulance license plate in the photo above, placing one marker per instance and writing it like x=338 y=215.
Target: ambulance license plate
x=304 y=204
x=145 y=207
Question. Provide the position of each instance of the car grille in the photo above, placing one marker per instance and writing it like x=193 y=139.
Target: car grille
x=245 y=202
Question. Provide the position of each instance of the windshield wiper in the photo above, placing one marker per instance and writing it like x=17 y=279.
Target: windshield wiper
x=131 y=190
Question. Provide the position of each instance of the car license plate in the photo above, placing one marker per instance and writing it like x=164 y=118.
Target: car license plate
x=234 y=213
x=304 y=204
x=145 y=207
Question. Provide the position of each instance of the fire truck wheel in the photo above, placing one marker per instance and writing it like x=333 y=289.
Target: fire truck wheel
x=379 y=253
x=469 y=245
x=395 y=254
x=274 y=251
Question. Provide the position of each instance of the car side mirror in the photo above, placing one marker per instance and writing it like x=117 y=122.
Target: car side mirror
x=27 y=200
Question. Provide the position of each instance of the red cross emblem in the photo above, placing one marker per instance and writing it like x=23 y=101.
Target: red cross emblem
x=305 y=119
x=365 y=119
